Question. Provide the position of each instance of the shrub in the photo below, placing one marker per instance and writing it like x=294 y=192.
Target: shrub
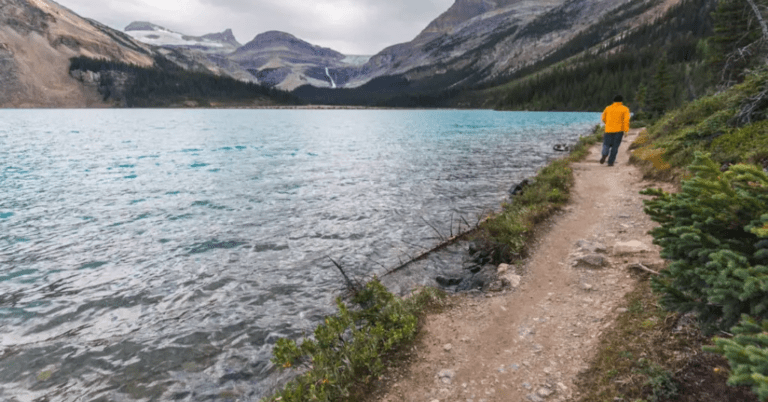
x=747 y=353
x=713 y=232
x=348 y=349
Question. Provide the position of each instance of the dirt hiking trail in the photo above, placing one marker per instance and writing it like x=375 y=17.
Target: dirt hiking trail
x=529 y=343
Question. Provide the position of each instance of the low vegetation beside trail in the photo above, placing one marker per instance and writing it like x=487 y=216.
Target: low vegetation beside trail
x=503 y=237
x=349 y=351
x=706 y=320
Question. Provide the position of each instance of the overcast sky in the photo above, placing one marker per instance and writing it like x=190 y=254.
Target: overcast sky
x=361 y=27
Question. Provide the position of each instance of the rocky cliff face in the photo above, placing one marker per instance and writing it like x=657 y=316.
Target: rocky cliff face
x=37 y=39
x=481 y=41
x=478 y=40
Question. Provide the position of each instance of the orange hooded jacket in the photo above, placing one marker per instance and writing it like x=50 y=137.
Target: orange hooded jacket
x=616 y=118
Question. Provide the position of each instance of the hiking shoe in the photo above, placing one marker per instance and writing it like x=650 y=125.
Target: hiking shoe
x=610 y=164
x=602 y=160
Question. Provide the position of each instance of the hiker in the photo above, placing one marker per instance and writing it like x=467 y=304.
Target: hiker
x=616 y=119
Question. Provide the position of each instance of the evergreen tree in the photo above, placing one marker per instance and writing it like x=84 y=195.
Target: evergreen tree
x=715 y=233
x=747 y=354
x=640 y=97
x=660 y=94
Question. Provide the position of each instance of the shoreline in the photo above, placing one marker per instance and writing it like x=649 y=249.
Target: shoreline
x=493 y=347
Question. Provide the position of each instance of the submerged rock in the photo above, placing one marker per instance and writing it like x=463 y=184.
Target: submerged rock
x=447 y=282
x=519 y=188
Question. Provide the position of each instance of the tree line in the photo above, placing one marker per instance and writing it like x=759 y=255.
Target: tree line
x=167 y=84
x=655 y=67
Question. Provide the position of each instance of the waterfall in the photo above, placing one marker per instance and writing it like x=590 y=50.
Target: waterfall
x=333 y=83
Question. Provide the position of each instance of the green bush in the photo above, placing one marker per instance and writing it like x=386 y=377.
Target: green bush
x=708 y=124
x=747 y=354
x=711 y=233
x=662 y=386
x=347 y=350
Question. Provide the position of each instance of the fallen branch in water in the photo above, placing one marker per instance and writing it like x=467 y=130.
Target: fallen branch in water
x=435 y=229
x=352 y=286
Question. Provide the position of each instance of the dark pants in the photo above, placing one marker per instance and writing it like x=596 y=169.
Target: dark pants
x=611 y=142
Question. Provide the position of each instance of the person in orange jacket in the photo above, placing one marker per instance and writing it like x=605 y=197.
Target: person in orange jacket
x=616 y=119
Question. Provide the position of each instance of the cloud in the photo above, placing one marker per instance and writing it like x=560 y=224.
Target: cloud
x=349 y=26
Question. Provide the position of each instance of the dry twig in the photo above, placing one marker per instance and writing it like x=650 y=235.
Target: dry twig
x=644 y=268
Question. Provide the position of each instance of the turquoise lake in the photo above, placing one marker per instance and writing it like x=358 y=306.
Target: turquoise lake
x=159 y=254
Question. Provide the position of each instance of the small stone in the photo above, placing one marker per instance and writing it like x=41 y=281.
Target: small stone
x=512 y=280
x=592 y=247
x=534 y=398
x=503 y=268
x=544 y=392
x=591 y=260
x=630 y=247
x=587 y=287
x=496 y=286
x=527 y=385
x=448 y=347
x=446 y=376
x=621 y=310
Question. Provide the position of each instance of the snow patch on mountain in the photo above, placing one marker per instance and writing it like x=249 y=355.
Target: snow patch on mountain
x=170 y=38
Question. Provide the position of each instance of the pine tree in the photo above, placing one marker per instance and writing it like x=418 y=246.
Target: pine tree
x=661 y=89
x=747 y=354
x=714 y=234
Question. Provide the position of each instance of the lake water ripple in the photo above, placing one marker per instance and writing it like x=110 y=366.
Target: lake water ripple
x=159 y=254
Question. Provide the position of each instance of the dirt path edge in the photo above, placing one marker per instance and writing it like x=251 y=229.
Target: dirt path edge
x=531 y=342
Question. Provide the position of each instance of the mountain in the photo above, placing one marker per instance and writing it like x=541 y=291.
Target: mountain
x=51 y=57
x=476 y=41
x=37 y=39
x=152 y=34
x=478 y=44
x=283 y=60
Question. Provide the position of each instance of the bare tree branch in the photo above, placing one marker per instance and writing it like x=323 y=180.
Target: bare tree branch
x=643 y=268
x=760 y=18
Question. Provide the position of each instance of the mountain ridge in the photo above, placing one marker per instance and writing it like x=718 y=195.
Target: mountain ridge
x=152 y=34
x=37 y=39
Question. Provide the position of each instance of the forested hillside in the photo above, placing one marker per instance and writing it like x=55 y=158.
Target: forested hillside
x=167 y=85
x=656 y=66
